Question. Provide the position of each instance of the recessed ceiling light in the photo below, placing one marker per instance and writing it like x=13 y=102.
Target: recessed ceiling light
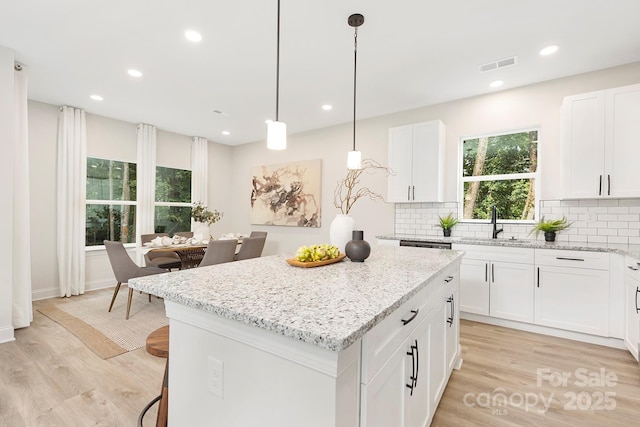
x=134 y=73
x=549 y=50
x=496 y=83
x=327 y=107
x=193 y=36
x=97 y=98
x=226 y=132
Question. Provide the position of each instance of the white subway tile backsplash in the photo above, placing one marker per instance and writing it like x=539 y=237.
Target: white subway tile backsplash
x=608 y=202
x=593 y=220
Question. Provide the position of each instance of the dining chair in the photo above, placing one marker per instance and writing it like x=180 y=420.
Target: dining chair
x=167 y=260
x=187 y=234
x=219 y=251
x=124 y=269
x=258 y=234
x=251 y=248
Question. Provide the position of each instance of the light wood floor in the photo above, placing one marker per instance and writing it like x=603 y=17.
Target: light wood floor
x=49 y=378
x=502 y=361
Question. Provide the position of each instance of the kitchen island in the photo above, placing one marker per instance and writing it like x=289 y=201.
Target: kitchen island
x=263 y=343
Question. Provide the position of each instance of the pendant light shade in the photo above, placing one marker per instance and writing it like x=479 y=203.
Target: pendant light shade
x=354 y=157
x=354 y=160
x=277 y=130
x=276 y=135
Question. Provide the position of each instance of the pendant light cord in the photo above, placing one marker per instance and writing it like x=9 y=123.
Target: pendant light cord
x=355 y=66
x=278 y=64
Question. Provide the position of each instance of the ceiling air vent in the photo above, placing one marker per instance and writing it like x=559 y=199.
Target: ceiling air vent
x=500 y=63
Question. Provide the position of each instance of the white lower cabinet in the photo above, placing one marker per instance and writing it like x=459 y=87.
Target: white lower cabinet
x=497 y=282
x=632 y=307
x=572 y=291
x=406 y=389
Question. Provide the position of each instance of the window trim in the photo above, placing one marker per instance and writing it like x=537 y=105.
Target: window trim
x=503 y=177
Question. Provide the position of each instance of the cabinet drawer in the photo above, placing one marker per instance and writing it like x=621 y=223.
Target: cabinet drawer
x=497 y=253
x=574 y=259
x=382 y=341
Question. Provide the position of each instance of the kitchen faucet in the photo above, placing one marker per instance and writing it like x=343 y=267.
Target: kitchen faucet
x=494 y=222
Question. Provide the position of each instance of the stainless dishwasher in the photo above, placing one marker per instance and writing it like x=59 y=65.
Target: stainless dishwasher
x=425 y=244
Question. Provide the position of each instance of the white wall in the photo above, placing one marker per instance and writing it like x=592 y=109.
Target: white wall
x=6 y=191
x=229 y=167
x=534 y=105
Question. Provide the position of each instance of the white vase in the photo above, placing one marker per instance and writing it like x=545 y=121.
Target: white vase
x=341 y=230
x=202 y=229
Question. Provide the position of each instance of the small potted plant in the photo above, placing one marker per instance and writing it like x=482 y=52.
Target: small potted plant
x=447 y=223
x=203 y=218
x=550 y=228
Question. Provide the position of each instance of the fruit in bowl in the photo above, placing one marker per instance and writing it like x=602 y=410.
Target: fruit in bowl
x=317 y=253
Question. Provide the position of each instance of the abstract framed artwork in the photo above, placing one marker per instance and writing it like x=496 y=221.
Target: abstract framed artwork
x=287 y=194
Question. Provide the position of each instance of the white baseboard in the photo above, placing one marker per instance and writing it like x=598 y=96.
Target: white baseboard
x=6 y=334
x=55 y=292
x=544 y=330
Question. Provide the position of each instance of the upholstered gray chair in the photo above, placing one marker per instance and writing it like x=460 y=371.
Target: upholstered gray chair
x=187 y=234
x=166 y=260
x=124 y=269
x=219 y=251
x=258 y=234
x=251 y=248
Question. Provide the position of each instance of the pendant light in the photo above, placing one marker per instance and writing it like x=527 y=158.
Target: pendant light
x=277 y=130
x=354 y=158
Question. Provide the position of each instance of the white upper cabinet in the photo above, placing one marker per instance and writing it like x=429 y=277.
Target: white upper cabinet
x=601 y=142
x=416 y=156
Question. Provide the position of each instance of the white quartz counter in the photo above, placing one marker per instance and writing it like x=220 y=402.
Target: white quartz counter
x=331 y=306
x=631 y=250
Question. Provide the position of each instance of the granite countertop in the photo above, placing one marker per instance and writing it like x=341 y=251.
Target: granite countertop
x=631 y=250
x=330 y=306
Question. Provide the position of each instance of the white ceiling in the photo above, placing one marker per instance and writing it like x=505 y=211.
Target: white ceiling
x=411 y=53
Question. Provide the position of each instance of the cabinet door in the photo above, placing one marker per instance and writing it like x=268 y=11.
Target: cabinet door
x=632 y=317
x=512 y=291
x=401 y=163
x=583 y=145
x=474 y=286
x=418 y=405
x=452 y=331
x=437 y=353
x=428 y=164
x=575 y=299
x=623 y=141
x=384 y=396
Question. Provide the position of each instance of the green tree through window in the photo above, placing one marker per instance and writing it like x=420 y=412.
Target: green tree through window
x=173 y=200
x=111 y=201
x=501 y=171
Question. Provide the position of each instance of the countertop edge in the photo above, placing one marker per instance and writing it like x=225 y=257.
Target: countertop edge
x=619 y=248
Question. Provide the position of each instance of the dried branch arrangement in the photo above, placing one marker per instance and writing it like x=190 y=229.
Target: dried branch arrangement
x=347 y=192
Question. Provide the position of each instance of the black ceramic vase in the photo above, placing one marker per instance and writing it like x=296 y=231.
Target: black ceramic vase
x=446 y=232
x=549 y=236
x=357 y=249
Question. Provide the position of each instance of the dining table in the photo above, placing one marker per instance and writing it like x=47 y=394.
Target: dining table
x=190 y=255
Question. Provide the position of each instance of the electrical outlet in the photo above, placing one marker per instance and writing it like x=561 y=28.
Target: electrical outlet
x=215 y=377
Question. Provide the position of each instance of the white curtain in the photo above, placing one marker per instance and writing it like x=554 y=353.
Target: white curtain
x=71 y=189
x=146 y=175
x=199 y=168
x=22 y=313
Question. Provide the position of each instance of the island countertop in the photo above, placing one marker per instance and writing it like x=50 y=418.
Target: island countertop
x=330 y=306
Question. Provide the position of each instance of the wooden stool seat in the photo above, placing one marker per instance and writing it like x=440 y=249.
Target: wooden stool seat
x=158 y=342
x=158 y=345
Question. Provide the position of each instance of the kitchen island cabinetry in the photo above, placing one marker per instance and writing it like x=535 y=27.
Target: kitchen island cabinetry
x=408 y=386
x=600 y=134
x=572 y=291
x=632 y=306
x=416 y=156
x=259 y=342
x=497 y=282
